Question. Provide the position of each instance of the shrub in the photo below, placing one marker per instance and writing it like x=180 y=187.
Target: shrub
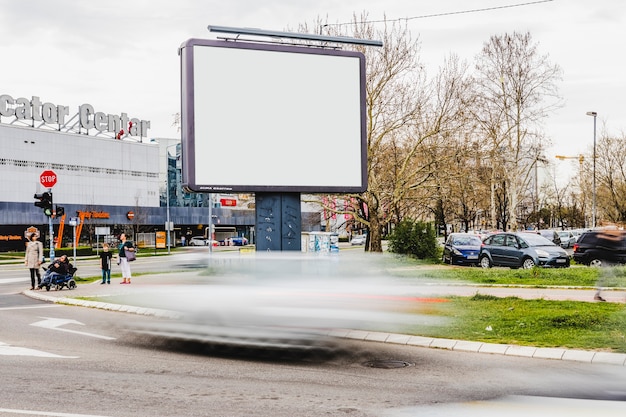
x=417 y=239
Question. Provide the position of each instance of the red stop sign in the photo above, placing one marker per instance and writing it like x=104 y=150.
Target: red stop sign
x=48 y=178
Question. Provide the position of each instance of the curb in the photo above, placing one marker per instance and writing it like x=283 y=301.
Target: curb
x=594 y=357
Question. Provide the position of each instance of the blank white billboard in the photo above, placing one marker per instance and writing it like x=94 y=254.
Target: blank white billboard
x=272 y=118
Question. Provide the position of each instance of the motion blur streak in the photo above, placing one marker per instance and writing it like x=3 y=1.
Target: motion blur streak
x=288 y=300
x=518 y=406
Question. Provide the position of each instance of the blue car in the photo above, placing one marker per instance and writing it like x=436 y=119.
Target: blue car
x=461 y=249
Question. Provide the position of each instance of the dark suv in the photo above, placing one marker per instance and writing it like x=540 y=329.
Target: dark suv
x=601 y=247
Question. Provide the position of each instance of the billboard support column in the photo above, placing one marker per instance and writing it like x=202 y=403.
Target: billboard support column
x=278 y=222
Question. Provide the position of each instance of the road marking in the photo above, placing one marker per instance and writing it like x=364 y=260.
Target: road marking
x=30 y=307
x=12 y=280
x=46 y=413
x=7 y=350
x=54 y=324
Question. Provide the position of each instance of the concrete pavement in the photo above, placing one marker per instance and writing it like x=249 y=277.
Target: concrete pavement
x=80 y=297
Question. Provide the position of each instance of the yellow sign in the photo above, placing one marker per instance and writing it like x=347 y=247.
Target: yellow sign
x=160 y=240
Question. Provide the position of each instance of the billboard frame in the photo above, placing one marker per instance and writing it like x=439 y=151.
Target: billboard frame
x=191 y=157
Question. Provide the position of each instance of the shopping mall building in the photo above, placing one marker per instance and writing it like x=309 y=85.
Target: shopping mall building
x=111 y=177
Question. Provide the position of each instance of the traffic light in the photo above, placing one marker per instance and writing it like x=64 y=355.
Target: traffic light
x=59 y=211
x=45 y=202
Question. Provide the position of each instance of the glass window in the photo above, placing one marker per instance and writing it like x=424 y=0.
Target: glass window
x=497 y=240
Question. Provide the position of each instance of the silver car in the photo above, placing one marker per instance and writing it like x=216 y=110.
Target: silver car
x=521 y=250
x=567 y=239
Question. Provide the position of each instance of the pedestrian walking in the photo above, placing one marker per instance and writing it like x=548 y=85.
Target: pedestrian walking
x=33 y=259
x=105 y=263
x=123 y=262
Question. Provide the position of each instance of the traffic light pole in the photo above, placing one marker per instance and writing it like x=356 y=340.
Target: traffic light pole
x=45 y=202
x=51 y=233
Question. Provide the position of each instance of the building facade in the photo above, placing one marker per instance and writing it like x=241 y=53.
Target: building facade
x=109 y=176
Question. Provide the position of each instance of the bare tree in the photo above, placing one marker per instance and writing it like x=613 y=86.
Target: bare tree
x=611 y=178
x=514 y=84
x=393 y=97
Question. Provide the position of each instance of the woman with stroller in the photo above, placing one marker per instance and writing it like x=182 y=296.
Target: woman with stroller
x=34 y=258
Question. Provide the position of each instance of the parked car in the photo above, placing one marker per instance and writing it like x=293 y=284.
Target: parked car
x=521 y=250
x=578 y=232
x=237 y=241
x=461 y=249
x=567 y=238
x=198 y=241
x=233 y=241
x=358 y=240
x=551 y=235
x=601 y=247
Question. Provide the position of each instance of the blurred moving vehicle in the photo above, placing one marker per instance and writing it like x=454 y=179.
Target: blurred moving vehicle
x=286 y=301
x=461 y=249
x=567 y=238
x=521 y=250
x=198 y=241
x=358 y=240
x=601 y=248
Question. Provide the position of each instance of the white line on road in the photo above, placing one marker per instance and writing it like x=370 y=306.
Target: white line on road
x=8 y=350
x=46 y=413
x=12 y=280
x=30 y=307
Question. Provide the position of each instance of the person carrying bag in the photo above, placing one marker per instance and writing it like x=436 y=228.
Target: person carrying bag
x=126 y=251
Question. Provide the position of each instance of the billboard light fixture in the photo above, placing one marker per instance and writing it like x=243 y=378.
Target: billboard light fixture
x=293 y=35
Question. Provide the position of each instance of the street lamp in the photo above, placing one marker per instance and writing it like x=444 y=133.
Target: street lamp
x=593 y=203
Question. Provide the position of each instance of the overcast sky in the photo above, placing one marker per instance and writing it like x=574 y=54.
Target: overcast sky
x=121 y=56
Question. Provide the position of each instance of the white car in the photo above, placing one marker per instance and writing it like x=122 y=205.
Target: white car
x=358 y=240
x=567 y=238
x=198 y=241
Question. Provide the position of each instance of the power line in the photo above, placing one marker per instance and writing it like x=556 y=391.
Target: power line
x=486 y=9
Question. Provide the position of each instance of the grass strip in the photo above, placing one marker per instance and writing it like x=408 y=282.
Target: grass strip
x=540 y=323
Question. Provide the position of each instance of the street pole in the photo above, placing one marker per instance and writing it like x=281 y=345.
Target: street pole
x=167 y=186
x=593 y=203
x=210 y=223
x=167 y=193
x=51 y=233
x=74 y=243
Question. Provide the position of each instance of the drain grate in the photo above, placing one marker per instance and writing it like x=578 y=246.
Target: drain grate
x=387 y=364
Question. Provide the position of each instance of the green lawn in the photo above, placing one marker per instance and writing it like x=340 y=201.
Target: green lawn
x=541 y=323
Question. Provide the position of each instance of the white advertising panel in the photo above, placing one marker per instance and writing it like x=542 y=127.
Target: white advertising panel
x=257 y=117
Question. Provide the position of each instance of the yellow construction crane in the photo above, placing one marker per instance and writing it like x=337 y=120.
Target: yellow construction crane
x=581 y=159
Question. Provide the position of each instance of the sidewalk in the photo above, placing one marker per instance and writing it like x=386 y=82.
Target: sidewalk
x=146 y=282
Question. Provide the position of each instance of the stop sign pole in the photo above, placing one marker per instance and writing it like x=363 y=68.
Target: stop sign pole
x=48 y=179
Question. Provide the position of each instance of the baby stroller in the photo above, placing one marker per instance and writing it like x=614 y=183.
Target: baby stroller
x=57 y=280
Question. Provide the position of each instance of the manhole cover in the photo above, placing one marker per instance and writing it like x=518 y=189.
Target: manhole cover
x=387 y=364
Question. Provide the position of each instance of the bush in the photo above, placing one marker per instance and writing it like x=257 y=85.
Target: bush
x=417 y=239
x=80 y=251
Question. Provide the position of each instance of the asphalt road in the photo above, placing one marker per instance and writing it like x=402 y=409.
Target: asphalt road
x=60 y=360
x=73 y=361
